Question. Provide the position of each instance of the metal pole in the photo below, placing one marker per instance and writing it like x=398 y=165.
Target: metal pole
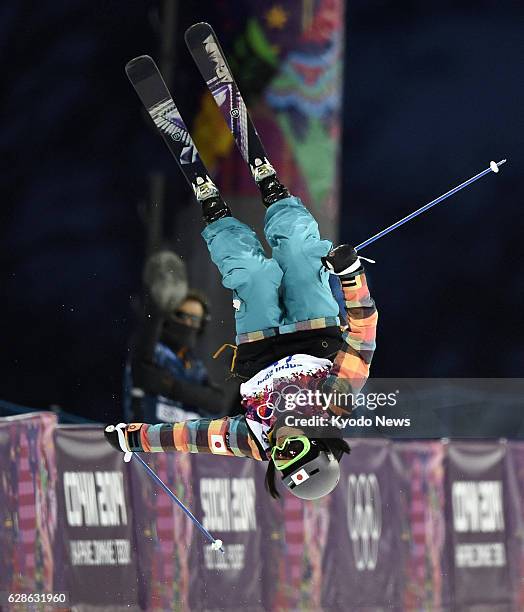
x=493 y=167
x=216 y=544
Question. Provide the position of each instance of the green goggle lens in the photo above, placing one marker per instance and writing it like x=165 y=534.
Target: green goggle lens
x=290 y=451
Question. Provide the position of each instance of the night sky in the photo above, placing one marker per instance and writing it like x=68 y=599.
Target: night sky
x=433 y=92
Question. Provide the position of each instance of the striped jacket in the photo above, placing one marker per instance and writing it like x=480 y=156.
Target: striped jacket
x=350 y=368
x=231 y=436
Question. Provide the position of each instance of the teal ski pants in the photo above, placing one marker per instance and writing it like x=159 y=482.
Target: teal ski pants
x=291 y=286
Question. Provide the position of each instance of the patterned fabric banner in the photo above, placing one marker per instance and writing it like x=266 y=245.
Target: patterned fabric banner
x=166 y=539
x=412 y=526
x=295 y=49
x=418 y=471
x=27 y=503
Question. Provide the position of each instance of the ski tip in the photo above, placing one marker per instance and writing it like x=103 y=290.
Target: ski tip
x=140 y=67
x=196 y=32
x=136 y=62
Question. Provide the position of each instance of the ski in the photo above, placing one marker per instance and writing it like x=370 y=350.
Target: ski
x=205 y=49
x=154 y=95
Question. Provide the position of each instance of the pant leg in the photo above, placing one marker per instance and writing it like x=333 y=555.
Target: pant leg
x=293 y=234
x=253 y=278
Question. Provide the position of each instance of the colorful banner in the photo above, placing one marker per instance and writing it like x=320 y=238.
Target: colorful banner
x=418 y=473
x=411 y=526
x=296 y=52
x=97 y=548
x=165 y=537
x=27 y=503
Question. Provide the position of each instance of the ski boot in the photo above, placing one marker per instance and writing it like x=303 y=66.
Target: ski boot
x=266 y=179
x=213 y=206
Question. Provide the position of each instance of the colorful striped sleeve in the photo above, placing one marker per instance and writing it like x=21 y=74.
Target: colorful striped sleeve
x=227 y=436
x=351 y=365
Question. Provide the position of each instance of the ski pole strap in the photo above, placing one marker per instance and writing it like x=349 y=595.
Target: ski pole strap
x=493 y=167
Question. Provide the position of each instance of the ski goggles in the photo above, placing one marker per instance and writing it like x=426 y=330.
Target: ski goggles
x=290 y=451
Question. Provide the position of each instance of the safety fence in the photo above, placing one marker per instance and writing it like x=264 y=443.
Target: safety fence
x=411 y=526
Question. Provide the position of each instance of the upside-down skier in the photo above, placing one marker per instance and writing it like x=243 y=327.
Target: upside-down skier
x=287 y=333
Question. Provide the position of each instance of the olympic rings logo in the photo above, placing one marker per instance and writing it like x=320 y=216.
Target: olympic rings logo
x=284 y=400
x=279 y=401
x=364 y=518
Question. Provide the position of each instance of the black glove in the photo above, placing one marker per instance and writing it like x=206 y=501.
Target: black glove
x=342 y=260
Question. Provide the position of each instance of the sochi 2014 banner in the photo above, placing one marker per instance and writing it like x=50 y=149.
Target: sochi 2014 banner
x=418 y=525
x=361 y=557
x=228 y=500
x=97 y=557
x=478 y=512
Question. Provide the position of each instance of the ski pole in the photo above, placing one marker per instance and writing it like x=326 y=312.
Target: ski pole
x=493 y=167
x=215 y=544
